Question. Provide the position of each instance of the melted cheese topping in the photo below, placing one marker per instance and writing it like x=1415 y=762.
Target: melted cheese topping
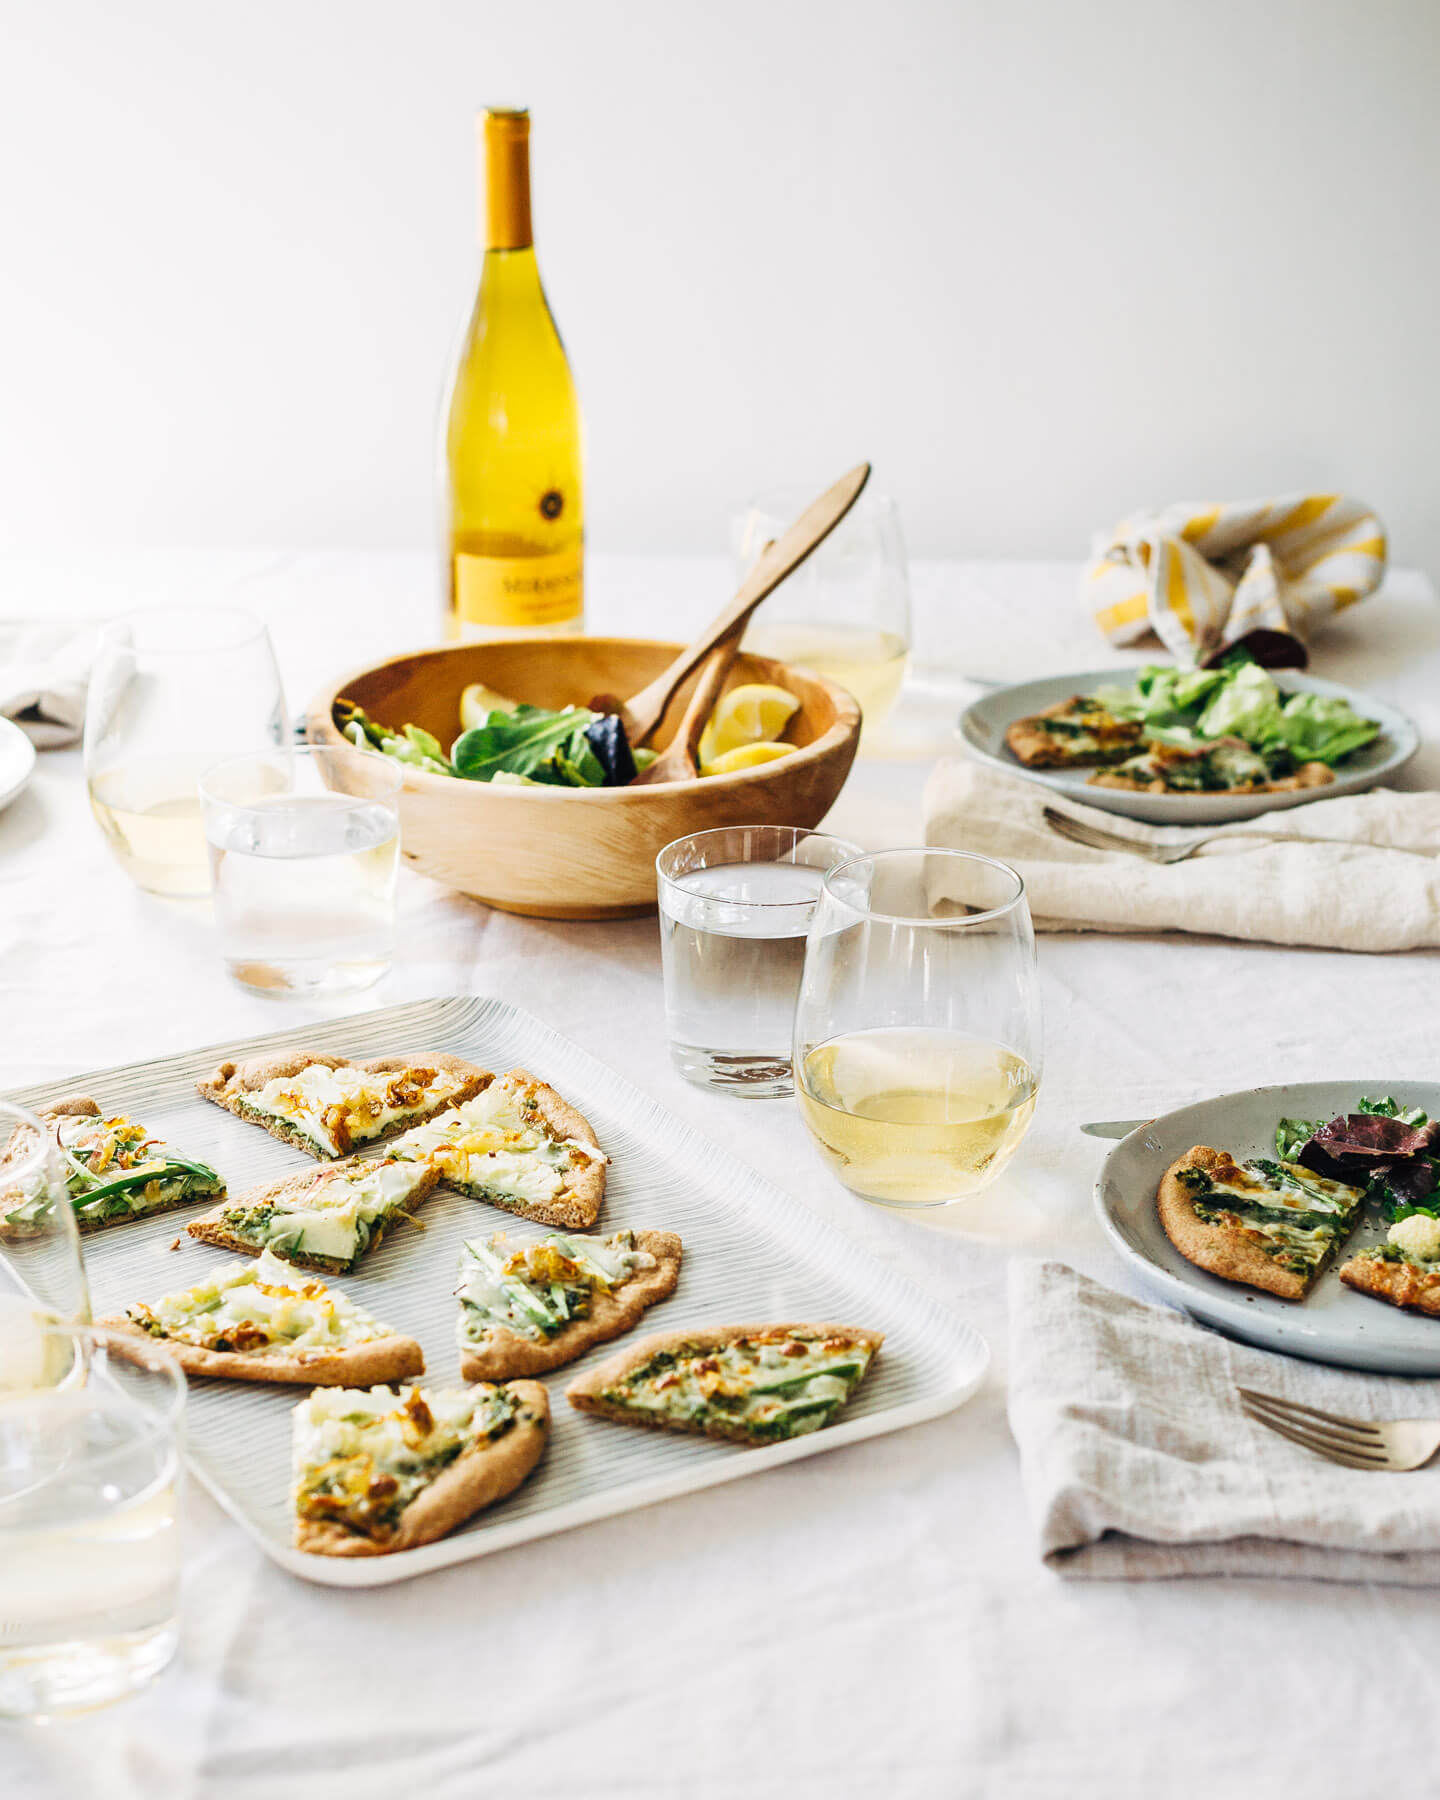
x=1245 y=1187
x=334 y=1217
x=538 y=1290
x=774 y=1386
x=264 y=1306
x=337 y=1108
x=489 y=1142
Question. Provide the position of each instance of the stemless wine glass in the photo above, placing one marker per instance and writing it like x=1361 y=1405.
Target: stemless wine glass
x=89 y=1534
x=845 y=612
x=41 y=1268
x=917 y=1031
x=174 y=690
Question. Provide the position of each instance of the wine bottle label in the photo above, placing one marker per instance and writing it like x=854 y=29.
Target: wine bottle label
x=518 y=590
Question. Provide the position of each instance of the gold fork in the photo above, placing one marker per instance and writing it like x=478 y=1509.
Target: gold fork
x=1093 y=837
x=1395 y=1444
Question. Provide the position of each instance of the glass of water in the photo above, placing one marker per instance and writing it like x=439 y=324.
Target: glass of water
x=41 y=1269
x=735 y=906
x=304 y=848
x=89 y=1538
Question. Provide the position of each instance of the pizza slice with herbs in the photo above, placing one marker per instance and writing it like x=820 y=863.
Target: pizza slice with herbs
x=520 y=1146
x=1405 y=1269
x=527 y=1309
x=1077 y=733
x=752 y=1384
x=1227 y=766
x=390 y=1469
x=266 y=1322
x=329 y=1106
x=322 y=1218
x=115 y=1171
x=1270 y=1225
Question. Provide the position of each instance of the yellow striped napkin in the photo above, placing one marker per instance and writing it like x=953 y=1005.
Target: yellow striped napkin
x=1203 y=577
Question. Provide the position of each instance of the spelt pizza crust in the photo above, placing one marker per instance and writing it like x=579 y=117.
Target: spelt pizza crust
x=1308 y=775
x=210 y=1228
x=506 y=1353
x=587 y=1392
x=1228 y=1251
x=1397 y=1283
x=1030 y=743
x=381 y=1361
x=230 y=1083
x=577 y=1206
x=479 y=1477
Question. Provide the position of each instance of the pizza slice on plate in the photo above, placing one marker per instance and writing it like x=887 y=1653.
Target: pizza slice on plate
x=115 y=1171
x=753 y=1384
x=1225 y=766
x=520 y=1146
x=1076 y=733
x=1270 y=1225
x=265 y=1322
x=390 y=1469
x=322 y=1218
x=329 y=1106
x=526 y=1310
x=1405 y=1270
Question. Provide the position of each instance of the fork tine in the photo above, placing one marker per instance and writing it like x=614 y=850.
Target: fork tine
x=1286 y=1408
x=1361 y=1443
x=1091 y=836
x=1318 y=1446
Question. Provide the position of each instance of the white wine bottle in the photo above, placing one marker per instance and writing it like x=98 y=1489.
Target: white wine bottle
x=516 y=527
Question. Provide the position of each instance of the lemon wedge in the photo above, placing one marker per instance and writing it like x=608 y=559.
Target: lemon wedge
x=478 y=702
x=754 y=714
x=746 y=756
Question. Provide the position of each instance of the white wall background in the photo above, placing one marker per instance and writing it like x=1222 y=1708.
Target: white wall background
x=1042 y=261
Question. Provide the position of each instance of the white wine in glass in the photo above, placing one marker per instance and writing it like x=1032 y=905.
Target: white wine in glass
x=917 y=1031
x=174 y=691
x=516 y=523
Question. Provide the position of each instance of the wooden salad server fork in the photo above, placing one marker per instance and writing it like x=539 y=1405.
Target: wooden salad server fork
x=642 y=712
x=679 y=761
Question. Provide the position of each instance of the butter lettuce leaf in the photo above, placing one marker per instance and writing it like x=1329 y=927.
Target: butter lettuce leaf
x=1246 y=706
x=1324 y=728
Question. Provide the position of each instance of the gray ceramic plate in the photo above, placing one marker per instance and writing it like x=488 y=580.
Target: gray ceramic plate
x=983 y=725
x=1335 y=1324
x=17 y=760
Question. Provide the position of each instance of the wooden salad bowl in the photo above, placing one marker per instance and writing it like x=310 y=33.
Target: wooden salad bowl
x=582 y=853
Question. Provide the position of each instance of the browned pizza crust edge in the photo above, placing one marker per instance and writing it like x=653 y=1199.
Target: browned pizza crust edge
x=1311 y=774
x=577 y=1206
x=477 y=1478
x=1221 y=1250
x=210 y=1228
x=1398 y=1284
x=1029 y=743
x=387 y=1359
x=506 y=1354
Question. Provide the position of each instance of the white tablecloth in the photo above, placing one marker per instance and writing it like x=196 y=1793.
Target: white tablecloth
x=875 y=1621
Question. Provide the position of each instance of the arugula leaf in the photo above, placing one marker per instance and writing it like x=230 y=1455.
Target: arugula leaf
x=1292 y=1135
x=1389 y=1108
x=520 y=743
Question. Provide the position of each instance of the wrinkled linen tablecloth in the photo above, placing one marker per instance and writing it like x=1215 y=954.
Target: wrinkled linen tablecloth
x=877 y=1620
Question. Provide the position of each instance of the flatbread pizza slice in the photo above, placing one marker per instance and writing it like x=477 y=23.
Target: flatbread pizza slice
x=321 y=1218
x=1226 y=766
x=1269 y=1225
x=520 y=1146
x=1077 y=733
x=115 y=1171
x=1405 y=1270
x=264 y=1322
x=752 y=1384
x=526 y=1310
x=391 y=1468
x=329 y=1106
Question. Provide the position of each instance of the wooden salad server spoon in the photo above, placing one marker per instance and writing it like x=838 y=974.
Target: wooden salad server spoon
x=679 y=761
x=642 y=712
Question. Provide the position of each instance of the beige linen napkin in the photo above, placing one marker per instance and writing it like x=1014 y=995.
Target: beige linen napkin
x=1138 y=1463
x=44 y=672
x=1373 y=884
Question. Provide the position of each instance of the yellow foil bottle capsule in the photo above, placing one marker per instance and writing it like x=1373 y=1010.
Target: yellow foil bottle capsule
x=515 y=508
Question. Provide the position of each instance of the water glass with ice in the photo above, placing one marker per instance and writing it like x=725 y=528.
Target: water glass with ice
x=89 y=1534
x=304 y=847
x=735 y=906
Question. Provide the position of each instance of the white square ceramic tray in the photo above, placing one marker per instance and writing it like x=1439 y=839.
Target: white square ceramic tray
x=751 y=1253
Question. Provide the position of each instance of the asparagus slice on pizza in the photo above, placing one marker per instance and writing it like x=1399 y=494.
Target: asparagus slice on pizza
x=321 y=1218
x=391 y=1469
x=527 y=1310
x=266 y=1322
x=115 y=1171
x=329 y=1106
x=520 y=1146
x=752 y=1384
x=1270 y=1225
